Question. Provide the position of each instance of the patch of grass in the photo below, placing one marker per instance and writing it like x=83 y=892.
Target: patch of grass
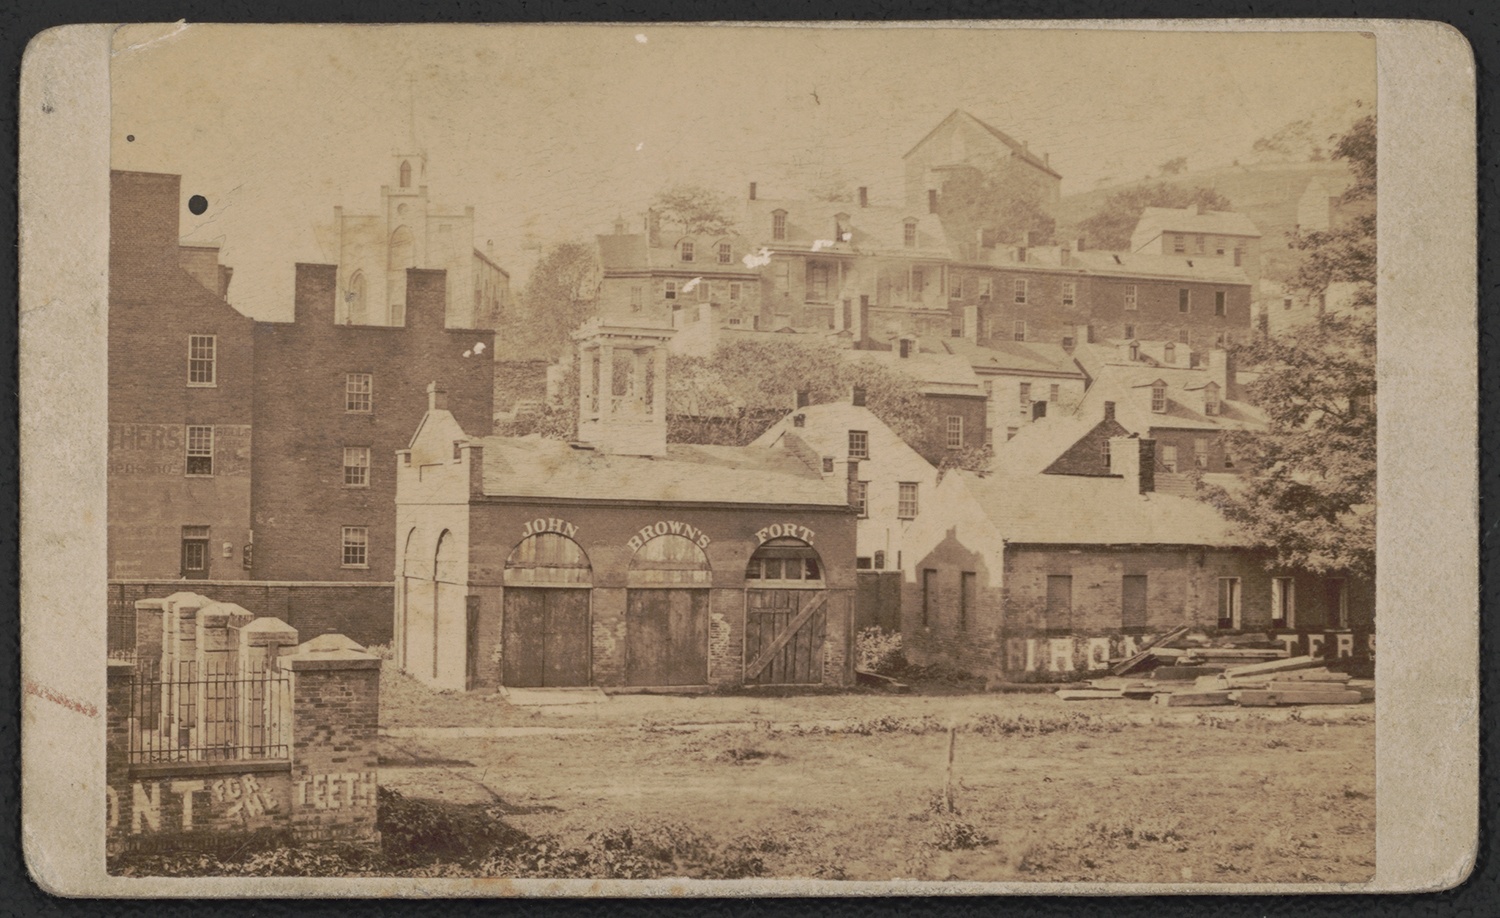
x=953 y=834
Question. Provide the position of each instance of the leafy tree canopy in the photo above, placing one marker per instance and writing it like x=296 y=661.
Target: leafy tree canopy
x=1311 y=495
x=561 y=294
x=1111 y=226
x=1009 y=213
x=694 y=209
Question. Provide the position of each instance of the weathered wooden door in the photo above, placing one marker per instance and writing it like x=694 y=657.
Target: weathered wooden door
x=784 y=634
x=546 y=637
x=666 y=637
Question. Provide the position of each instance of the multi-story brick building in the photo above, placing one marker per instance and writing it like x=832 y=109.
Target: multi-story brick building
x=645 y=277
x=228 y=435
x=620 y=560
x=1194 y=232
x=1046 y=576
x=181 y=368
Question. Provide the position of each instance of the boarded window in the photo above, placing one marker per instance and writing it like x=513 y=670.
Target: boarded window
x=669 y=560
x=1059 y=602
x=1133 y=601
x=548 y=558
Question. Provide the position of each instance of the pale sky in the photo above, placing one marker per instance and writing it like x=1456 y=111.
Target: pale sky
x=556 y=130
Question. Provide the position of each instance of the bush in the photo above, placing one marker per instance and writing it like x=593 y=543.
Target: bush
x=953 y=834
x=878 y=651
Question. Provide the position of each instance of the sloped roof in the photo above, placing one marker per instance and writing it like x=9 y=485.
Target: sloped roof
x=689 y=473
x=874 y=228
x=1121 y=383
x=1039 y=444
x=1078 y=510
x=1015 y=145
x=1017 y=356
x=1147 y=264
x=935 y=374
x=1157 y=220
x=622 y=250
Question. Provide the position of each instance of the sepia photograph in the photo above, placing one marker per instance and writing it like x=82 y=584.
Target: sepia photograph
x=741 y=452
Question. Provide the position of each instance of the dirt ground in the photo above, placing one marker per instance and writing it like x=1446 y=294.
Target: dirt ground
x=849 y=786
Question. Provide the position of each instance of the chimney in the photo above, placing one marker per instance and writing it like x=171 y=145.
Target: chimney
x=864 y=196
x=1088 y=334
x=904 y=346
x=1109 y=411
x=799 y=419
x=971 y=322
x=752 y=191
x=1038 y=410
x=861 y=328
x=1220 y=367
x=1146 y=465
x=803 y=398
x=853 y=482
x=932 y=200
x=437 y=397
x=315 y=288
x=857 y=397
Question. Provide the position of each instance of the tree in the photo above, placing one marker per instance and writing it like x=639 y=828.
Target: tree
x=694 y=209
x=1310 y=497
x=1011 y=215
x=1110 y=227
x=561 y=294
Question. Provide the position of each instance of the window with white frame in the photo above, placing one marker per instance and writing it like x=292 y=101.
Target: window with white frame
x=956 y=287
x=359 y=392
x=1184 y=336
x=859 y=444
x=686 y=250
x=1184 y=299
x=1104 y=452
x=1020 y=290
x=955 y=431
x=1130 y=299
x=1069 y=293
x=669 y=290
x=1159 y=398
x=906 y=500
x=726 y=253
x=1054 y=391
x=202 y=360
x=200 y=451
x=862 y=498
x=637 y=299
x=1179 y=243
x=1025 y=389
x=734 y=291
x=986 y=288
x=356 y=466
x=1018 y=330
x=356 y=546
x=909 y=234
x=1211 y=401
x=778 y=224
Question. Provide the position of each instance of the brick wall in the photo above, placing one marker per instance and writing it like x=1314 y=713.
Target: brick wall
x=1086 y=457
x=975 y=413
x=335 y=705
x=299 y=499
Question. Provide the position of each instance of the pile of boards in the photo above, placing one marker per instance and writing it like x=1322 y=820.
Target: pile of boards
x=1280 y=680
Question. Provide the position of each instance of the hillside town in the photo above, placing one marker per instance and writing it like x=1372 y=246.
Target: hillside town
x=878 y=444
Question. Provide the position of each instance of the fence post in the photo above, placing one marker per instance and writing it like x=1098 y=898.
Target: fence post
x=335 y=719
x=260 y=642
x=178 y=630
x=118 y=729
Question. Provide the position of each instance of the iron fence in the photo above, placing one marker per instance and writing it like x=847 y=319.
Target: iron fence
x=214 y=712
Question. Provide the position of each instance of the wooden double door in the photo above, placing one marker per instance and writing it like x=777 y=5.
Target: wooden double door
x=666 y=637
x=784 y=635
x=546 y=637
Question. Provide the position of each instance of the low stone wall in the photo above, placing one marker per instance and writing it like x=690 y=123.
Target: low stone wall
x=223 y=727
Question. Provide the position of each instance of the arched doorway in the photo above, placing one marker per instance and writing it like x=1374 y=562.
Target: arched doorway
x=786 y=618
x=545 y=635
x=667 y=613
x=411 y=579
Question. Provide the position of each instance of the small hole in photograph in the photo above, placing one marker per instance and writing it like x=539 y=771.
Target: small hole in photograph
x=130 y=138
x=197 y=204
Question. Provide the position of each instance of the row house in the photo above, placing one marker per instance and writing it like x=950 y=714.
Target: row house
x=1022 y=381
x=1221 y=237
x=618 y=559
x=1028 y=576
x=647 y=278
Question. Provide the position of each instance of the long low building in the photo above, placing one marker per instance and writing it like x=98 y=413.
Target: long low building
x=618 y=560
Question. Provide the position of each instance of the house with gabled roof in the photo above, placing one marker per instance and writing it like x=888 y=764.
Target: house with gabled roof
x=1196 y=232
x=1024 y=575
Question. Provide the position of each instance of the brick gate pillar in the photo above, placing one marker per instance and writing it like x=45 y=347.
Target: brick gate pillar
x=335 y=718
x=264 y=707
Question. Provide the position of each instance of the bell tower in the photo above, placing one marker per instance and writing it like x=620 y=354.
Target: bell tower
x=622 y=388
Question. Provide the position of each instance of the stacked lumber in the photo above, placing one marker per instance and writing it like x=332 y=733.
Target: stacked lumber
x=1264 y=683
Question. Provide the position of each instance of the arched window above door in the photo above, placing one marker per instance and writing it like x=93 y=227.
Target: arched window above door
x=548 y=559
x=785 y=563
x=669 y=560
